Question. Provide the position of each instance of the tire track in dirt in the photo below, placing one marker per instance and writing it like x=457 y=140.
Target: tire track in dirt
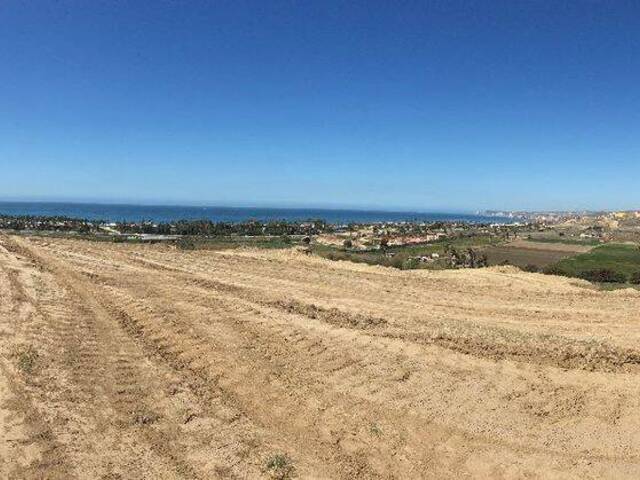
x=98 y=384
x=258 y=366
x=185 y=348
x=37 y=447
x=465 y=337
x=335 y=363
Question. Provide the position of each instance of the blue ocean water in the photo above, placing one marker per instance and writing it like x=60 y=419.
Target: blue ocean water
x=156 y=213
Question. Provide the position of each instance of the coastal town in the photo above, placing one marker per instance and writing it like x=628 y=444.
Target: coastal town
x=540 y=241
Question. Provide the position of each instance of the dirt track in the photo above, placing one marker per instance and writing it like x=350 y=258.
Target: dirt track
x=129 y=362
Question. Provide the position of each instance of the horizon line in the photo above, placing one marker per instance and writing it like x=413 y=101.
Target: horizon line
x=356 y=208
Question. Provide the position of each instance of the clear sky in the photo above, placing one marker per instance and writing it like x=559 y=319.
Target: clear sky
x=429 y=105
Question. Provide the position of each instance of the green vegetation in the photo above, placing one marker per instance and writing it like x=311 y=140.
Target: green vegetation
x=229 y=242
x=208 y=228
x=531 y=268
x=603 y=275
x=280 y=467
x=374 y=429
x=27 y=358
x=406 y=257
x=610 y=263
x=589 y=242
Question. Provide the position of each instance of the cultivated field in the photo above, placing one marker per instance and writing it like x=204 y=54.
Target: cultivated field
x=126 y=361
x=541 y=254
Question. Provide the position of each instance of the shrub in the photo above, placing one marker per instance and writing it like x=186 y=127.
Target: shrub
x=553 y=270
x=530 y=267
x=635 y=278
x=410 y=264
x=286 y=239
x=603 y=275
x=347 y=243
x=395 y=262
x=280 y=467
x=186 y=243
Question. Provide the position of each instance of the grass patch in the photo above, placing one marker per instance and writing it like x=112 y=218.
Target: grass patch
x=230 y=242
x=27 y=359
x=589 y=242
x=623 y=260
x=280 y=467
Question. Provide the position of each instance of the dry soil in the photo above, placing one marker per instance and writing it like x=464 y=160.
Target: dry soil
x=142 y=362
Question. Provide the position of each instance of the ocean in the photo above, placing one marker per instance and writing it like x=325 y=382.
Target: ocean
x=157 y=213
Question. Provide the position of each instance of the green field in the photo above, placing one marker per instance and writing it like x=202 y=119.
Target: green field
x=620 y=258
x=565 y=240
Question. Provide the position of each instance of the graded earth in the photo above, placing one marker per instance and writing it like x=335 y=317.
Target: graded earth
x=122 y=361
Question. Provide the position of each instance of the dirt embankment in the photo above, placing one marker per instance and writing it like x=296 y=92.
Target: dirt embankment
x=121 y=361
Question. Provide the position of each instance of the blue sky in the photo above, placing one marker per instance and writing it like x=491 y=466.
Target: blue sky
x=430 y=105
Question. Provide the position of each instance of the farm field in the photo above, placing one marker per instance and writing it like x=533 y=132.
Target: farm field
x=541 y=254
x=128 y=361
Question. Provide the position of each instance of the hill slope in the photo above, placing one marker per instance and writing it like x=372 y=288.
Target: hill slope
x=121 y=361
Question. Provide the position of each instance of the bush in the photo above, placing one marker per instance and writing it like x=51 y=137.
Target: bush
x=553 y=270
x=410 y=264
x=603 y=275
x=635 y=278
x=531 y=268
x=347 y=243
x=395 y=262
x=186 y=243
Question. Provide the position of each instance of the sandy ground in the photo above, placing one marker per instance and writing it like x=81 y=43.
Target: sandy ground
x=141 y=362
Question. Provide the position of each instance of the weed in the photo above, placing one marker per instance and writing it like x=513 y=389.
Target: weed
x=280 y=466
x=374 y=429
x=27 y=359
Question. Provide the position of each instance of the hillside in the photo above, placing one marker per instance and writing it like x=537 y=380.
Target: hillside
x=141 y=361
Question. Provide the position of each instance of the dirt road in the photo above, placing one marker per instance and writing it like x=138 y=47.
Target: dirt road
x=131 y=362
